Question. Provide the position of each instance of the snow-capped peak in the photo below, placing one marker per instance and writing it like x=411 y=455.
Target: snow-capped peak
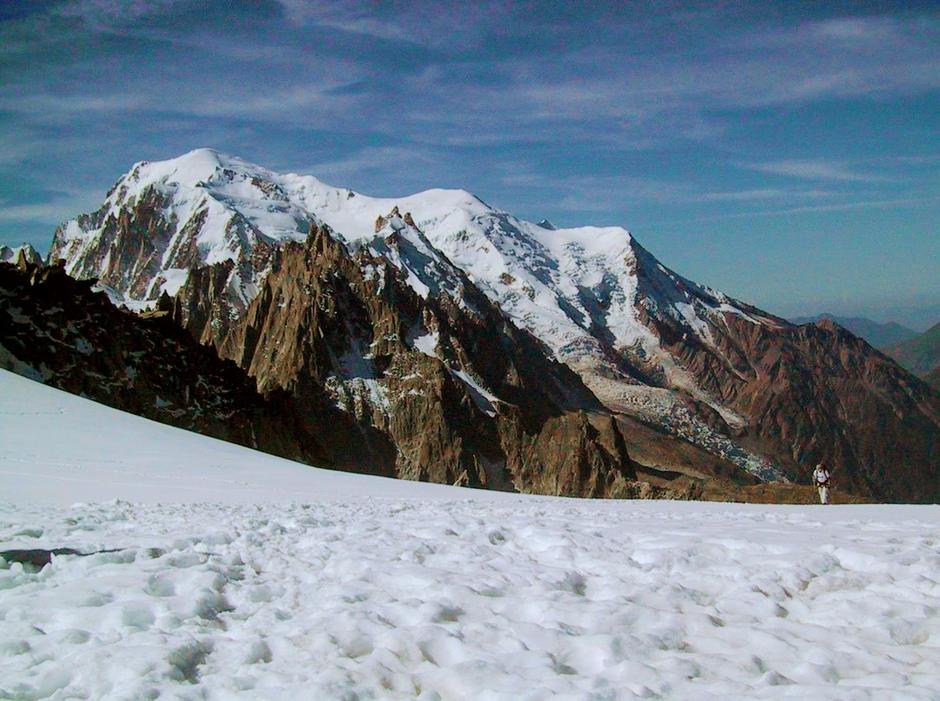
x=190 y=169
x=586 y=292
x=12 y=254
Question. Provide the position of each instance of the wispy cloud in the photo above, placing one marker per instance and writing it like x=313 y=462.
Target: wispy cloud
x=469 y=93
x=900 y=202
x=818 y=170
x=372 y=167
x=600 y=193
x=107 y=14
x=761 y=194
x=49 y=106
x=438 y=24
x=52 y=212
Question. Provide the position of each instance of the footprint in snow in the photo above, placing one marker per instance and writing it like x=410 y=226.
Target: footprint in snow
x=496 y=537
x=29 y=533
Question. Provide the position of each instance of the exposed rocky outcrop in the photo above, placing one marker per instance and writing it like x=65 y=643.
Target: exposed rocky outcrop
x=464 y=396
x=20 y=255
x=59 y=332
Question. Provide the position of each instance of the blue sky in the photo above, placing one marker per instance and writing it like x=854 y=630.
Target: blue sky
x=788 y=153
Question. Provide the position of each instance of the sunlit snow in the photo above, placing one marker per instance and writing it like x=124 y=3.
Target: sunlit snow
x=212 y=571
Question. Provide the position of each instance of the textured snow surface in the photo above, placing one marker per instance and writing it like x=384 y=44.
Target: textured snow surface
x=401 y=599
x=367 y=588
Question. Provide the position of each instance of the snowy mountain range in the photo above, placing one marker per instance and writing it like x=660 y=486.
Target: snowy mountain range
x=579 y=290
x=660 y=352
x=588 y=293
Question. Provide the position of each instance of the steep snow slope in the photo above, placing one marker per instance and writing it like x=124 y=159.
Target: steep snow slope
x=372 y=588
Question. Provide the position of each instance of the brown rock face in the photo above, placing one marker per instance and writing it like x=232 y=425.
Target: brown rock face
x=577 y=448
x=817 y=393
x=413 y=372
x=126 y=253
x=204 y=304
x=57 y=331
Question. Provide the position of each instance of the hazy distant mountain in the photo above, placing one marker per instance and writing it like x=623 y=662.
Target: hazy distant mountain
x=878 y=335
x=933 y=378
x=494 y=351
x=920 y=355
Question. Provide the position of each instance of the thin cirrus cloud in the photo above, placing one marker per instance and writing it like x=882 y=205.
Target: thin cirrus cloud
x=650 y=98
x=762 y=194
x=441 y=24
x=818 y=170
x=582 y=92
x=55 y=208
x=901 y=202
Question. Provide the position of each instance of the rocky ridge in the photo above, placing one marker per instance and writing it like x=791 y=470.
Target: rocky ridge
x=877 y=334
x=20 y=255
x=919 y=355
x=59 y=332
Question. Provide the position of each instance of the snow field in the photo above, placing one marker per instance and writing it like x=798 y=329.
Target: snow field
x=529 y=599
x=214 y=584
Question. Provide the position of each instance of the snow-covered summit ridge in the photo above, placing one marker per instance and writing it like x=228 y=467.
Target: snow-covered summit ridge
x=581 y=290
x=11 y=254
